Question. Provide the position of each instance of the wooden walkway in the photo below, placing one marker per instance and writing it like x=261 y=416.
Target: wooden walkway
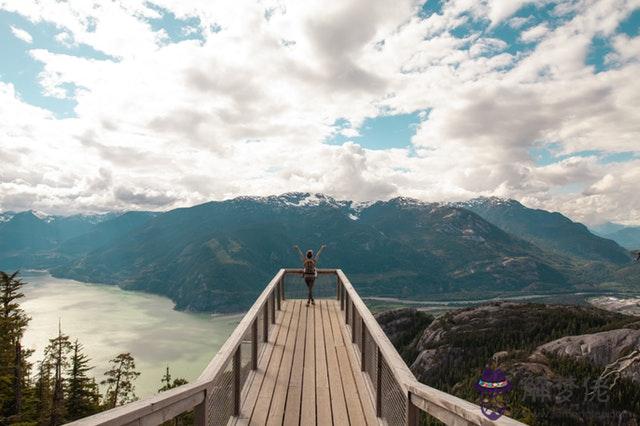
x=308 y=374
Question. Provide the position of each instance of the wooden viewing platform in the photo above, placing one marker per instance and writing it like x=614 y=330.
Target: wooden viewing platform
x=289 y=364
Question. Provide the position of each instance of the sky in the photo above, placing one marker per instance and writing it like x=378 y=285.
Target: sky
x=152 y=105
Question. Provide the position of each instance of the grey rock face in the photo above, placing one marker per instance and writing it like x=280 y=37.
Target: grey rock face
x=599 y=349
x=616 y=350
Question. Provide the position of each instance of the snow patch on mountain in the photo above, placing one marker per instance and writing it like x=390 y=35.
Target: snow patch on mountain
x=485 y=202
x=43 y=216
x=358 y=206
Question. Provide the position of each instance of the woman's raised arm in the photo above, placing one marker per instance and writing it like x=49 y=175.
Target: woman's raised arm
x=299 y=252
x=319 y=251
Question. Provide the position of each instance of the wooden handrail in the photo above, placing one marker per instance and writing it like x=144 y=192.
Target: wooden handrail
x=155 y=409
x=231 y=344
x=388 y=351
x=450 y=409
x=441 y=405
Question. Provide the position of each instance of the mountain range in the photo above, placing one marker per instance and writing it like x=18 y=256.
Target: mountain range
x=218 y=256
x=626 y=236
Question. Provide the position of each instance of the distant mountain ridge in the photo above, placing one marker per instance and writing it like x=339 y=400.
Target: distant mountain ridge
x=627 y=236
x=217 y=256
x=28 y=238
x=549 y=230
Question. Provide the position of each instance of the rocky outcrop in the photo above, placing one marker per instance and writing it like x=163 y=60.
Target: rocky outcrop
x=617 y=350
x=482 y=334
x=523 y=340
x=431 y=362
x=599 y=349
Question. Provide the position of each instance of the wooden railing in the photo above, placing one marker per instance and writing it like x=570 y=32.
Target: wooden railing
x=216 y=396
x=399 y=397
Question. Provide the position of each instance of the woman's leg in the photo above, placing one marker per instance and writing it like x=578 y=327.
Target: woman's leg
x=311 y=284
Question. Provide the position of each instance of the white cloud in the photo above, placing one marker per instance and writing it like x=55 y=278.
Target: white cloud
x=625 y=50
x=22 y=34
x=519 y=21
x=534 y=33
x=499 y=10
x=162 y=124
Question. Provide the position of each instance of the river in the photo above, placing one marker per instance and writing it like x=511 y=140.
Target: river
x=108 y=320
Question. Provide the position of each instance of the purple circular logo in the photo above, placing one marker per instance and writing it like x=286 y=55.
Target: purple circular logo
x=493 y=387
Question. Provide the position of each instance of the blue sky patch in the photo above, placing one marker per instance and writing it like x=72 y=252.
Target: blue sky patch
x=547 y=155
x=597 y=55
x=469 y=27
x=430 y=7
x=631 y=25
x=23 y=70
x=177 y=29
x=534 y=15
x=382 y=132
x=619 y=157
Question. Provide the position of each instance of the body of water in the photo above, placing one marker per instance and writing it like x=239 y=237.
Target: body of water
x=108 y=320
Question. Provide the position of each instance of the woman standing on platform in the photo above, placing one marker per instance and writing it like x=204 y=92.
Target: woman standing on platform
x=310 y=272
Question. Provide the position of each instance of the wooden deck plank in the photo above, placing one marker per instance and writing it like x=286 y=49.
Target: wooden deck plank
x=294 y=390
x=309 y=372
x=354 y=406
x=308 y=407
x=255 y=379
x=338 y=403
x=276 y=410
x=260 y=410
x=323 y=397
x=354 y=363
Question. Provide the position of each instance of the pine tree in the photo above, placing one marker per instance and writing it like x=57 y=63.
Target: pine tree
x=120 y=380
x=168 y=384
x=166 y=381
x=42 y=399
x=81 y=389
x=13 y=364
x=57 y=354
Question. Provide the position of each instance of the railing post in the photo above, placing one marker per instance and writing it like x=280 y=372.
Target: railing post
x=346 y=309
x=200 y=413
x=279 y=295
x=265 y=321
x=338 y=292
x=282 y=287
x=363 y=340
x=413 y=414
x=379 y=385
x=254 y=345
x=273 y=307
x=353 y=323
x=236 y=381
x=342 y=293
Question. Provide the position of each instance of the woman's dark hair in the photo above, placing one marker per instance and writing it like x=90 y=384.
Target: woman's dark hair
x=309 y=254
